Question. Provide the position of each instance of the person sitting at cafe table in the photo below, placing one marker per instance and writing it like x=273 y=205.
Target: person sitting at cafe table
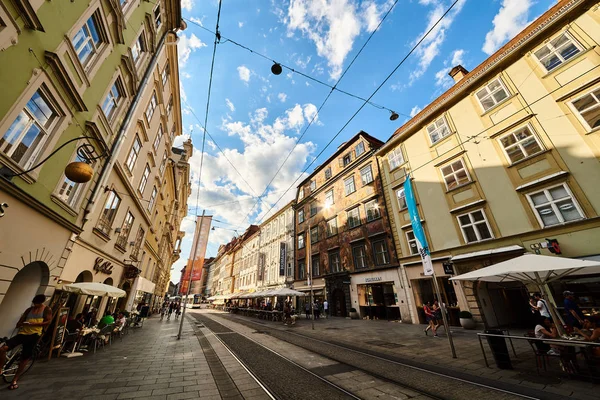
x=108 y=319
x=545 y=329
x=75 y=324
x=574 y=314
x=591 y=332
x=121 y=320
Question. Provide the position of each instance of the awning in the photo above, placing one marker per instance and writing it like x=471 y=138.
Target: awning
x=94 y=289
x=489 y=252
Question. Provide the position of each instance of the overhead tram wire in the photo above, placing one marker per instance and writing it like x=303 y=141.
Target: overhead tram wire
x=316 y=80
x=368 y=99
x=322 y=105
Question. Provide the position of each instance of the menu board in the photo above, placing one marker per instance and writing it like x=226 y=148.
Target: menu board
x=59 y=330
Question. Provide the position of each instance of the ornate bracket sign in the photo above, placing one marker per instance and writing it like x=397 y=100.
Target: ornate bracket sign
x=103 y=266
x=2 y=207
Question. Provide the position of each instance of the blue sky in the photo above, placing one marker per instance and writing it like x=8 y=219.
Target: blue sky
x=256 y=117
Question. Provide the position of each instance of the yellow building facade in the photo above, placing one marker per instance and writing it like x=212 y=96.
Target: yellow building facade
x=504 y=162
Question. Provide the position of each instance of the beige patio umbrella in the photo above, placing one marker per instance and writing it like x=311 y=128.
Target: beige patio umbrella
x=94 y=289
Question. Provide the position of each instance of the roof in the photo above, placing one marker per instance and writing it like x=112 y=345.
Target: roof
x=502 y=56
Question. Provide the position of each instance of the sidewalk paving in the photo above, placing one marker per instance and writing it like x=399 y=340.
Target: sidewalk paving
x=149 y=363
x=409 y=342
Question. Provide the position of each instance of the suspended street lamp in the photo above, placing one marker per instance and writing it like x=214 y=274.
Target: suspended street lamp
x=276 y=69
x=394 y=116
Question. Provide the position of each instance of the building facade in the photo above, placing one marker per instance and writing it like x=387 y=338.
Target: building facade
x=504 y=162
x=341 y=216
x=83 y=70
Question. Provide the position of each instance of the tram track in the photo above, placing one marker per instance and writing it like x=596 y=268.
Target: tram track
x=412 y=375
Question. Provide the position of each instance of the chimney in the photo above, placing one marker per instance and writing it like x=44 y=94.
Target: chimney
x=457 y=73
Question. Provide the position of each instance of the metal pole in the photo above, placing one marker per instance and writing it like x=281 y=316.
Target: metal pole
x=309 y=259
x=190 y=279
x=443 y=307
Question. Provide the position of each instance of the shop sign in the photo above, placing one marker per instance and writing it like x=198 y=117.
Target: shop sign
x=282 y=256
x=105 y=267
x=374 y=279
x=2 y=207
x=448 y=269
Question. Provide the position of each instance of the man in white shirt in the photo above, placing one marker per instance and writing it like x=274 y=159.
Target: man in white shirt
x=541 y=306
x=326 y=308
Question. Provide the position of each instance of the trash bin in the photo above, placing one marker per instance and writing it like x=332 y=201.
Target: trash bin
x=499 y=349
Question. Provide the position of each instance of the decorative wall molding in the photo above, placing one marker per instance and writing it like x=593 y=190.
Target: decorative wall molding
x=60 y=71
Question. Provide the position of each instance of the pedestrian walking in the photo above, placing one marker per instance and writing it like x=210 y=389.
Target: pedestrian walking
x=430 y=319
x=307 y=309
x=325 y=308
x=287 y=317
x=541 y=306
x=177 y=310
x=437 y=314
x=163 y=310
x=171 y=309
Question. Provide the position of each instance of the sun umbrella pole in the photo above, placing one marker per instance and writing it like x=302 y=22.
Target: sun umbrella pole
x=552 y=309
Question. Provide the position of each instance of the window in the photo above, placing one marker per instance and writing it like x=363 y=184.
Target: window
x=332 y=227
x=301 y=241
x=329 y=198
x=163 y=164
x=125 y=229
x=158 y=138
x=438 y=130
x=588 y=107
x=520 y=144
x=301 y=269
x=555 y=205
x=557 y=51
x=313 y=208
x=360 y=148
x=108 y=212
x=165 y=74
x=301 y=193
x=68 y=190
x=360 y=256
x=151 y=107
x=455 y=174
x=29 y=131
x=366 y=174
x=401 y=196
x=372 y=210
x=347 y=159
x=111 y=102
x=138 y=243
x=313 y=186
x=349 y=187
x=138 y=48
x=123 y=3
x=152 y=198
x=144 y=179
x=157 y=17
x=314 y=234
x=334 y=262
x=474 y=226
x=300 y=216
x=395 y=158
x=492 y=94
x=87 y=41
x=353 y=217
x=412 y=242
x=380 y=252
x=314 y=265
x=133 y=153
x=328 y=173
x=170 y=106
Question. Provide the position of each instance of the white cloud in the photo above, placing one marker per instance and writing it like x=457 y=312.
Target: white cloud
x=415 y=110
x=510 y=20
x=240 y=24
x=332 y=26
x=429 y=48
x=187 y=4
x=199 y=21
x=457 y=57
x=187 y=45
x=282 y=97
x=442 y=79
x=244 y=73
x=230 y=105
x=303 y=63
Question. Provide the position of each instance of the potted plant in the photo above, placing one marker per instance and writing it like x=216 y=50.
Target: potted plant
x=466 y=320
x=353 y=313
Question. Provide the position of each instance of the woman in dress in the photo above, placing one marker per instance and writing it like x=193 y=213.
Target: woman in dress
x=430 y=319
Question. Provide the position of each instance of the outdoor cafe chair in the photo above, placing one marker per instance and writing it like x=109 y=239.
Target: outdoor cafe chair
x=69 y=339
x=102 y=336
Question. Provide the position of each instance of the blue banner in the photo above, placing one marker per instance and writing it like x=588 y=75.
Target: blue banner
x=418 y=231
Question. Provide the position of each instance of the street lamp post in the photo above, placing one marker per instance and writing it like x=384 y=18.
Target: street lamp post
x=310 y=277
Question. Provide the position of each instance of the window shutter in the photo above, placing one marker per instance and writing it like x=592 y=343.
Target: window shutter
x=341 y=161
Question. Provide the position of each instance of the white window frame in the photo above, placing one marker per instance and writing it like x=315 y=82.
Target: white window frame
x=301 y=193
x=346 y=185
x=368 y=174
x=134 y=153
x=438 y=130
x=315 y=230
x=144 y=179
x=158 y=138
x=85 y=31
x=301 y=216
x=395 y=158
x=104 y=225
x=455 y=174
x=365 y=263
x=313 y=185
x=315 y=208
x=360 y=146
x=112 y=99
x=330 y=231
x=413 y=240
x=553 y=205
x=301 y=242
x=152 y=104
x=400 y=205
x=165 y=74
x=170 y=106
x=327 y=172
x=68 y=191
x=374 y=209
x=125 y=230
x=554 y=51
x=490 y=94
x=335 y=254
x=329 y=200
x=138 y=48
x=163 y=163
x=350 y=217
x=152 y=198
x=472 y=223
x=519 y=143
x=157 y=20
x=313 y=264
x=595 y=94
x=385 y=253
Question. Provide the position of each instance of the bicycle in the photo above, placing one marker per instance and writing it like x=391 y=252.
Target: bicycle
x=13 y=358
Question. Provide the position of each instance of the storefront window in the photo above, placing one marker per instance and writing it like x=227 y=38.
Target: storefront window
x=378 y=301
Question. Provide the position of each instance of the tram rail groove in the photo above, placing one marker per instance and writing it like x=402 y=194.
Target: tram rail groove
x=485 y=383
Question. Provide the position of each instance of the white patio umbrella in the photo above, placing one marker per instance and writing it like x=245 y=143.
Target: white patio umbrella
x=94 y=289
x=534 y=269
x=284 y=292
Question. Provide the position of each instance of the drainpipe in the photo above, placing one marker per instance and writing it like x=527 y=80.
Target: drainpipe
x=118 y=143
